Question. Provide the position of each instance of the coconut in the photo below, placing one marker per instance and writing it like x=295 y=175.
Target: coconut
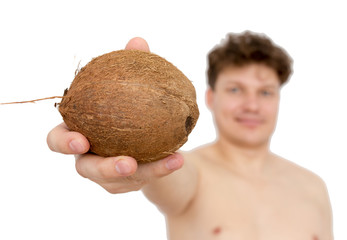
x=131 y=103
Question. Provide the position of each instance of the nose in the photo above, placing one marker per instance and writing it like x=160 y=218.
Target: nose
x=251 y=103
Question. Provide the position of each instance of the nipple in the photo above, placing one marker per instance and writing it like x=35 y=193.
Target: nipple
x=216 y=230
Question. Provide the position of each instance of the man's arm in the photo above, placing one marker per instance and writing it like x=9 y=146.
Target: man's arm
x=173 y=193
x=326 y=210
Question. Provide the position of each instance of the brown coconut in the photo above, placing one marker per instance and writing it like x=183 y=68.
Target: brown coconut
x=131 y=103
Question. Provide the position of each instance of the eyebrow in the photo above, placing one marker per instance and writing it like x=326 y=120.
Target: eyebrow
x=230 y=81
x=271 y=86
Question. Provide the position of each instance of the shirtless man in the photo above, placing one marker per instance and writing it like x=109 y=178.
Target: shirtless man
x=233 y=188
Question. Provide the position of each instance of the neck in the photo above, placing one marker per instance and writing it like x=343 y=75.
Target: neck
x=244 y=158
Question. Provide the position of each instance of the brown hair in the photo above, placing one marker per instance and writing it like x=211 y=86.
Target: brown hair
x=245 y=48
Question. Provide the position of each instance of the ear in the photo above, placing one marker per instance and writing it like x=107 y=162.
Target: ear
x=209 y=95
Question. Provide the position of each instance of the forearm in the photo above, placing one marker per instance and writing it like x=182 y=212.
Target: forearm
x=172 y=193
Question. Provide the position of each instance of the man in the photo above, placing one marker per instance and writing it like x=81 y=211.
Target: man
x=234 y=188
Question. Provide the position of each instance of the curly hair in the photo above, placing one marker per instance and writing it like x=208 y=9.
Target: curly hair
x=245 y=48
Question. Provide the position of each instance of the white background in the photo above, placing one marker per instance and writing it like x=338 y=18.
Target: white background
x=41 y=44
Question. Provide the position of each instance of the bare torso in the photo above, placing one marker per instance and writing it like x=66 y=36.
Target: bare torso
x=288 y=202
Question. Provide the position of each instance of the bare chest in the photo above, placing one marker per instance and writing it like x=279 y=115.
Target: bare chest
x=232 y=208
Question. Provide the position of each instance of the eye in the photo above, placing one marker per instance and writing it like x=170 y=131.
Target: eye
x=233 y=89
x=266 y=93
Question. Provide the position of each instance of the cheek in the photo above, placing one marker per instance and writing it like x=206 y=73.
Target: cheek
x=272 y=111
x=226 y=106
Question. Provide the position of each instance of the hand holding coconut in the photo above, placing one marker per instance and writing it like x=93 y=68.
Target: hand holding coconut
x=108 y=170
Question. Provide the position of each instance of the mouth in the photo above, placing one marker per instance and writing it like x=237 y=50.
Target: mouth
x=249 y=122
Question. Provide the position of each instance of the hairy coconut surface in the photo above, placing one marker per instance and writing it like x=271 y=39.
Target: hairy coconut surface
x=131 y=103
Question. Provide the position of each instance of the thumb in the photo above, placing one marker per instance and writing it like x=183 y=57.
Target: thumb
x=137 y=43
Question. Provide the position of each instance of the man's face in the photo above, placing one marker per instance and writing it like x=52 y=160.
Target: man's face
x=245 y=104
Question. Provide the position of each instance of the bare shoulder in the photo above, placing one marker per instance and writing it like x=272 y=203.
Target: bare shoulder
x=303 y=179
x=198 y=154
x=311 y=188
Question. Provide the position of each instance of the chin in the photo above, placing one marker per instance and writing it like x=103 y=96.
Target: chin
x=253 y=144
x=249 y=141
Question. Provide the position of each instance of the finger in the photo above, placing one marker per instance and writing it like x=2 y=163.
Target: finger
x=160 y=168
x=104 y=169
x=61 y=139
x=137 y=43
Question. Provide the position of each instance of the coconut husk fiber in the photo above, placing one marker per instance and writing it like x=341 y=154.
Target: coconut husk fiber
x=131 y=103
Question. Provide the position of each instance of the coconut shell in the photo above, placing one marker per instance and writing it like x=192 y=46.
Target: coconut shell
x=131 y=103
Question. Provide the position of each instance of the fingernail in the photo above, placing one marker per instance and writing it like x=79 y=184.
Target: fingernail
x=76 y=146
x=123 y=167
x=173 y=164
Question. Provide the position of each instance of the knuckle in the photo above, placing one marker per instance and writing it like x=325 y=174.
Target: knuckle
x=104 y=171
x=79 y=169
x=159 y=171
x=112 y=190
x=135 y=181
x=124 y=184
x=49 y=141
x=116 y=189
x=135 y=188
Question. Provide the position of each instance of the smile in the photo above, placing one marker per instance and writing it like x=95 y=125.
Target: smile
x=249 y=122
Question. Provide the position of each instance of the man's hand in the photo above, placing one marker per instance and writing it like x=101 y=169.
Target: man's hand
x=117 y=174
